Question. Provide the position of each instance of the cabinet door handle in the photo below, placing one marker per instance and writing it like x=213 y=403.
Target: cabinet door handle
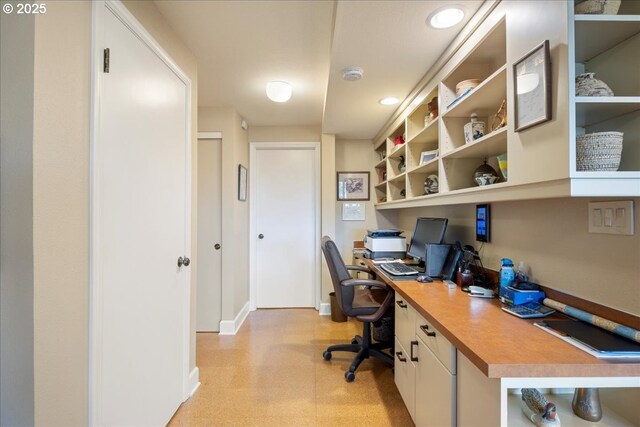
x=400 y=356
x=401 y=304
x=425 y=329
x=411 y=356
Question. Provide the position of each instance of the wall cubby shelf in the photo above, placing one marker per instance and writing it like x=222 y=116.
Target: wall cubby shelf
x=606 y=45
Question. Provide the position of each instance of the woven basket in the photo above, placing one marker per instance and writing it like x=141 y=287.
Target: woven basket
x=598 y=7
x=599 y=151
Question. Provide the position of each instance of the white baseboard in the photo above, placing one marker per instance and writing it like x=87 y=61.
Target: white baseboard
x=194 y=381
x=325 y=309
x=231 y=327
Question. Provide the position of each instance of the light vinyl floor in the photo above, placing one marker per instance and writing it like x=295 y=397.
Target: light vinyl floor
x=272 y=374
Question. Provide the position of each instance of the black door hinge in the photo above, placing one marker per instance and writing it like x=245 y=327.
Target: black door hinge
x=105 y=68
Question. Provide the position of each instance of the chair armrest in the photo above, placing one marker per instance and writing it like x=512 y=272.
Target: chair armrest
x=371 y=274
x=359 y=268
x=364 y=282
x=380 y=312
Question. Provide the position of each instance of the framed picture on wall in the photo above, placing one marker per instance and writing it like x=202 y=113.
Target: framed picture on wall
x=242 y=183
x=353 y=185
x=532 y=86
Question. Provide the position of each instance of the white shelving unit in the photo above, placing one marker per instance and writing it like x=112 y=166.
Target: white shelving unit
x=607 y=45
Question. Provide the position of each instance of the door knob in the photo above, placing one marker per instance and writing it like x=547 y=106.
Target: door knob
x=180 y=262
x=186 y=261
x=260 y=236
x=216 y=246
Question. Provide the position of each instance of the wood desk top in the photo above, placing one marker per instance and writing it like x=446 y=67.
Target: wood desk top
x=499 y=344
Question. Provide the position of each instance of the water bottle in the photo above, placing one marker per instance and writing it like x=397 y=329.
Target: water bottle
x=507 y=275
x=521 y=273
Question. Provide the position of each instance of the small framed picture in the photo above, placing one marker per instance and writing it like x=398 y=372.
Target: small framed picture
x=353 y=185
x=242 y=183
x=532 y=85
x=427 y=156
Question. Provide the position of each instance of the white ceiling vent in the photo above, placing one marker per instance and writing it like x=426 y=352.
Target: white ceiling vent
x=352 y=74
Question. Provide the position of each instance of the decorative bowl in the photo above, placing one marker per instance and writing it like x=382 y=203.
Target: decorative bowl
x=486 y=179
x=464 y=85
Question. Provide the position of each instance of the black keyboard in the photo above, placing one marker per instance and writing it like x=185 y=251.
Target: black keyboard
x=397 y=269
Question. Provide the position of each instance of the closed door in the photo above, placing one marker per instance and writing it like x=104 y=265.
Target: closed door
x=208 y=268
x=141 y=215
x=285 y=219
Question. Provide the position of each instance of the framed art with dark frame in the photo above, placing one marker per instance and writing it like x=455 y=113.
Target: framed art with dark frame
x=242 y=183
x=532 y=87
x=353 y=185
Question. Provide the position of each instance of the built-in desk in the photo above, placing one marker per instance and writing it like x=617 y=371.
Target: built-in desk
x=498 y=352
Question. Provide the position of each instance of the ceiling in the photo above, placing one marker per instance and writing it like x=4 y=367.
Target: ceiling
x=242 y=45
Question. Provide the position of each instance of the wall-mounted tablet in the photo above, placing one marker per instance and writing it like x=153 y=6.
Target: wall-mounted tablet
x=483 y=223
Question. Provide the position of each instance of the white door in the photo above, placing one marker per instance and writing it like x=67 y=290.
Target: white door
x=285 y=206
x=140 y=208
x=208 y=269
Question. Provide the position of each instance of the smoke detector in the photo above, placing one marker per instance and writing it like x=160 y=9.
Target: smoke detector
x=352 y=74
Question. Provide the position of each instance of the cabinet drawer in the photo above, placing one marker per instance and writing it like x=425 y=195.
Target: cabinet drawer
x=439 y=345
x=404 y=375
x=405 y=321
x=435 y=391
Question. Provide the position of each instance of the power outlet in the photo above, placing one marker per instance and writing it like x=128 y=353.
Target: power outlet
x=611 y=217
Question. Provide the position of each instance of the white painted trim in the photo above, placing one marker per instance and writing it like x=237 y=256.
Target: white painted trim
x=231 y=327
x=194 y=381
x=317 y=281
x=209 y=135
x=95 y=292
x=325 y=309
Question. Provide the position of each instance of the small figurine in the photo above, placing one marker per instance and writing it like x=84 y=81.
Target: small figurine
x=537 y=409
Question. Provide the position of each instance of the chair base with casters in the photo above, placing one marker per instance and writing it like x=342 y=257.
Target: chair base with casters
x=363 y=346
x=367 y=300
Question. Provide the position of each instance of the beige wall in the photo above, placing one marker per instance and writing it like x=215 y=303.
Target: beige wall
x=235 y=214
x=551 y=237
x=61 y=213
x=354 y=156
x=16 y=220
x=284 y=133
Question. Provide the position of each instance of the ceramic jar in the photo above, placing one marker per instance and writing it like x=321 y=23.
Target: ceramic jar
x=402 y=166
x=485 y=175
x=473 y=130
x=588 y=85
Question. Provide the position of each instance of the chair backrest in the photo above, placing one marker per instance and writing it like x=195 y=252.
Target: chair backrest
x=339 y=273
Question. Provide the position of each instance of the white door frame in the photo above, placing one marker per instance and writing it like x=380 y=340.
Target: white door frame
x=253 y=148
x=95 y=267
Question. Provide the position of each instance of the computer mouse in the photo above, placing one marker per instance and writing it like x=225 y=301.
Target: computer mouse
x=424 y=279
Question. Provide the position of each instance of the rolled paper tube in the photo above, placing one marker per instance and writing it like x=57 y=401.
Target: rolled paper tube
x=608 y=325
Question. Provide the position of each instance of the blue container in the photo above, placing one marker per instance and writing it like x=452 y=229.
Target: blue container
x=507 y=275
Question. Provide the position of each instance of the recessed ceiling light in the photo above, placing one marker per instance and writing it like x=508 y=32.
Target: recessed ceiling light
x=445 y=17
x=390 y=100
x=279 y=91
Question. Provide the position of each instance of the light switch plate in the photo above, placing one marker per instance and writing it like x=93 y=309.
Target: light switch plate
x=611 y=217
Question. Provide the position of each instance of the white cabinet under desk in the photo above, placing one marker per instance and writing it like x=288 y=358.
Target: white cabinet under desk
x=425 y=368
x=470 y=373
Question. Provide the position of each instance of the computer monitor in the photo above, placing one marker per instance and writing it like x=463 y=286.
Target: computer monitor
x=428 y=230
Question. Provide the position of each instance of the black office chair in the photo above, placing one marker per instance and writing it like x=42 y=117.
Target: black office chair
x=360 y=303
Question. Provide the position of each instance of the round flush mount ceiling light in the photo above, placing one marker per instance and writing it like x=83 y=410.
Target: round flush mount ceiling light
x=445 y=17
x=279 y=91
x=352 y=74
x=390 y=100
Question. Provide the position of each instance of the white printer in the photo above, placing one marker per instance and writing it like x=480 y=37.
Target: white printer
x=385 y=244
